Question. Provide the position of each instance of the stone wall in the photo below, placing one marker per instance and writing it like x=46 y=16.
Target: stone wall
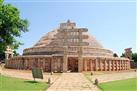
x=133 y=64
x=55 y=63
x=105 y=64
x=27 y=63
x=71 y=51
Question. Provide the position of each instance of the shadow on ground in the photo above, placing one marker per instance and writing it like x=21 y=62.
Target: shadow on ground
x=31 y=81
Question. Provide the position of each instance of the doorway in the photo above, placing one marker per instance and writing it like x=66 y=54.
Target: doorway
x=73 y=64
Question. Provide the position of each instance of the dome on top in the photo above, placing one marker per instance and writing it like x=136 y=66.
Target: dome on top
x=71 y=36
x=47 y=40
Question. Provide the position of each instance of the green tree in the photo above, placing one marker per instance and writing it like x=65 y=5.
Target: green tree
x=134 y=57
x=115 y=55
x=11 y=26
x=123 y=55
x=15 y=53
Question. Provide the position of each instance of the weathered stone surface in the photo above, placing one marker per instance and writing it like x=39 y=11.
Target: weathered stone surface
x=56 y=52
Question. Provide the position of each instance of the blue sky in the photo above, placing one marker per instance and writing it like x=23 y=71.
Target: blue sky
x=112 y=22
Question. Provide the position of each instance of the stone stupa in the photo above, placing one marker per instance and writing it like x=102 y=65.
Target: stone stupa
x=68 y=48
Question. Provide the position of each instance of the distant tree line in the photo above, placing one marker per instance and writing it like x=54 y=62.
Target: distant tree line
x=134 y=56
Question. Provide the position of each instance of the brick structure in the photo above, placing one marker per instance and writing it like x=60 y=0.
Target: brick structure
x=68 y=48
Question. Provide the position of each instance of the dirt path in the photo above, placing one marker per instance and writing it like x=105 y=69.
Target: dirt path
x=73 y=82
x=28 y=75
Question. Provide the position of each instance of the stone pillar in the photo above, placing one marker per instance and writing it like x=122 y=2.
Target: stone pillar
x=96 y=65
x=91 y=68
x=113 y=65
x=85 y=64
x=51 y=64
x=128 y=53
x=120 y=65
x=6 y=56
x=124 y=64
x=100 y=65
x=105 y=65
x=109 y=65
x=65 y=60
x=128 y=65
x=116 y=65
x=80 y=61
x=8 y=53
x=80 y=51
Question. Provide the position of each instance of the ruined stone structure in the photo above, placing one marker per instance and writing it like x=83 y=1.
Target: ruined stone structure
x=128 y=53
x=68 y=48
x=8 y=53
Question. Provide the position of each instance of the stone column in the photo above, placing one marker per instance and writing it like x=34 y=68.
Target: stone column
x=100 y=65
x=8 y=53
x=120 y=65
x=6 y=56
x=109 y=65
x=91 y=68
x=65 y=60
x=123 y=64
x=52 y=64
x=80 y=60
x=96 y=65
x=80 y=51
x=116 y=65
x=85 y=64
x=105 y=65
x=112 y=65
x=128 y=65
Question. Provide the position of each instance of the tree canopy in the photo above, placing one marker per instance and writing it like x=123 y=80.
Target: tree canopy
x=11 y=26
x=134 y=56
x=115 y=55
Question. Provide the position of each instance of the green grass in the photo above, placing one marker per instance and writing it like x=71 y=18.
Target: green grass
x=15 y=84
x=121 y=85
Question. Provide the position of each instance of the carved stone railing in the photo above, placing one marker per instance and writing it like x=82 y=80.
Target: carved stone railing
x=73 y=50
